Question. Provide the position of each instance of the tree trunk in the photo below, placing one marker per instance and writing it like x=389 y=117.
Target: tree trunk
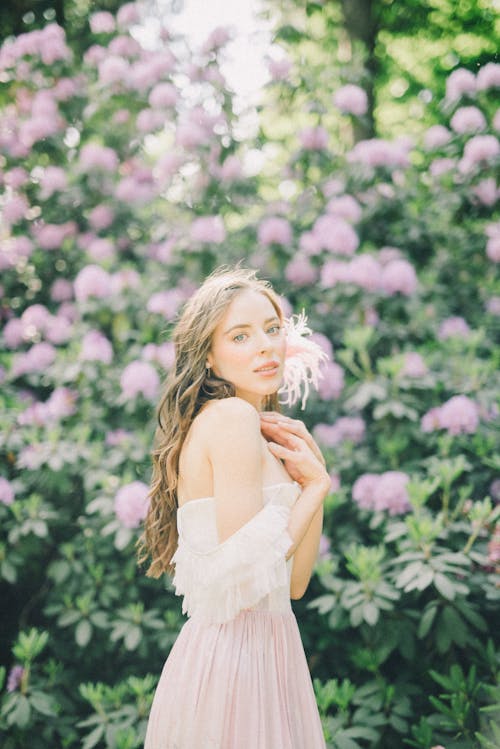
x=361 y=25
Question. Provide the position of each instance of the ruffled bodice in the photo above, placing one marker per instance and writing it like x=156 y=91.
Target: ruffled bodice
x=248 y=570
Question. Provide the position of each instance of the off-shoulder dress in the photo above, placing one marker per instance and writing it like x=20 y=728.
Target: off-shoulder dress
x=236 y=676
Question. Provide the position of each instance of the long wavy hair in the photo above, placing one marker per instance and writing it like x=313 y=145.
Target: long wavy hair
x=187 y=387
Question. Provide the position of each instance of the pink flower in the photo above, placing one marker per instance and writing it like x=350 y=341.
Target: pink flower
x=163 y=95
x=413 y=365
x=430 y=421
x=167 y=165
x=274 y=230
x=351 y=99
x=310 y=244
x=208 y=229
x=468 y=120
x=487 y=191
x=279 y=70
x=493 y=243
x=399 y=276
x=113 y=69
x=365 y=271
x=92 y=280
x=153 y=66
x=324 y=547
x=496 y=121
x=324 y=342
x=345 y=207
x=127 y=15
x=436 y=136
x=231 y=169
x=313 y=138
x=494 y=546
x=124 y=46
x=6 y=491
x=347 y=428
x=333 y=272
x=459 y=415
x=100 y=249
x=60 y=329
x=164 y=354
x=95 y=156
x=479 y=149
x=137 y=188
x=442 y=166
x=217 y=38
x=190 y=135
x=35 y=319
x=131 y=504
x=165 y=303
x=488 y=76
x=96 y=347
x=452 y=327
x=101 y=217
x=460 y=82
x=378 y=152
x=52 y=236
x=390 y=493
x=149 y=120
x=300 y=272
x=331 y=383
x=117 y=436
x=139 y=377
x=126 y=278
x=16 y=177
x=13 y=333
x=363 y=490
x=335 y=235
x=325 y=434
x=493 y=305
x=14 y=209
x=53 y=180
x=38 y=358
x=14 y=679
x=102 y=23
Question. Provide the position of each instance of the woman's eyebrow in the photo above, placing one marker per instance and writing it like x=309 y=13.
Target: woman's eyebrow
x=247 y=325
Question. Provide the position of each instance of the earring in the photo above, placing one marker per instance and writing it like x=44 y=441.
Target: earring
x=208 y=370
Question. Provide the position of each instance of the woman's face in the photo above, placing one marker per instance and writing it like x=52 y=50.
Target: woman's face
x=249 y=337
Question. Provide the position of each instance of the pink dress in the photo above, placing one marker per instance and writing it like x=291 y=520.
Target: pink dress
x=236 y=676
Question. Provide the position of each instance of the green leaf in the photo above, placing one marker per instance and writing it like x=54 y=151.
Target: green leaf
x=93 y=737
x=42 y=703
x=132 y=638
x=370 y=613
x=444 y=586
x=21 y=713
x=83 y=633
x=426 y=621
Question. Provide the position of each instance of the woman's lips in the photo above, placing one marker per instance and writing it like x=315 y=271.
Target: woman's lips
x=268 y=371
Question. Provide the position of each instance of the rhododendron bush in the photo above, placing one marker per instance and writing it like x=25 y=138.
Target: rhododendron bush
x=124 y=180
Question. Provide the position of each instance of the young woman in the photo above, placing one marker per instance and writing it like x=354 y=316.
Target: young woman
x=236 y=513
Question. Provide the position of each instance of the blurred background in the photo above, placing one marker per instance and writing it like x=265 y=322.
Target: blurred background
x=349 y=150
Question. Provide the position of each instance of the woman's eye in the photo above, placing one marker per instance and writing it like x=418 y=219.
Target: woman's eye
x=276 y=328
x=239 y=337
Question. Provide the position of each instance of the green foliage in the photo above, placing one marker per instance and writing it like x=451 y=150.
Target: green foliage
x=400 y=620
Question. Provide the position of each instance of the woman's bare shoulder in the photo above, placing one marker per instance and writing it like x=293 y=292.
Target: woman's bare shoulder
x=221 y=411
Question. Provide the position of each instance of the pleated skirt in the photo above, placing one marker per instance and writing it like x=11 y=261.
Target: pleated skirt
x=243 y=684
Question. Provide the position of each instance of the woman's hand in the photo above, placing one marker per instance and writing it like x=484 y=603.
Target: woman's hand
x=290 y=440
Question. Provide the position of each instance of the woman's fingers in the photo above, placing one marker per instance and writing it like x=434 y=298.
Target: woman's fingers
x=294 y=426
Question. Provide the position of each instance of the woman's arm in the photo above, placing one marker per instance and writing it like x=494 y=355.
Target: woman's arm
x=306 y=555
x=309 y=521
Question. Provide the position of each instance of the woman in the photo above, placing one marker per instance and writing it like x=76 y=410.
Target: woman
x=236 y=511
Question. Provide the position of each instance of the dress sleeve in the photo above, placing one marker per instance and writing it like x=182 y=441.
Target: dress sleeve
x=237 y=573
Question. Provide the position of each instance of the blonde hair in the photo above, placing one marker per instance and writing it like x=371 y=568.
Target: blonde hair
x=187 y=387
